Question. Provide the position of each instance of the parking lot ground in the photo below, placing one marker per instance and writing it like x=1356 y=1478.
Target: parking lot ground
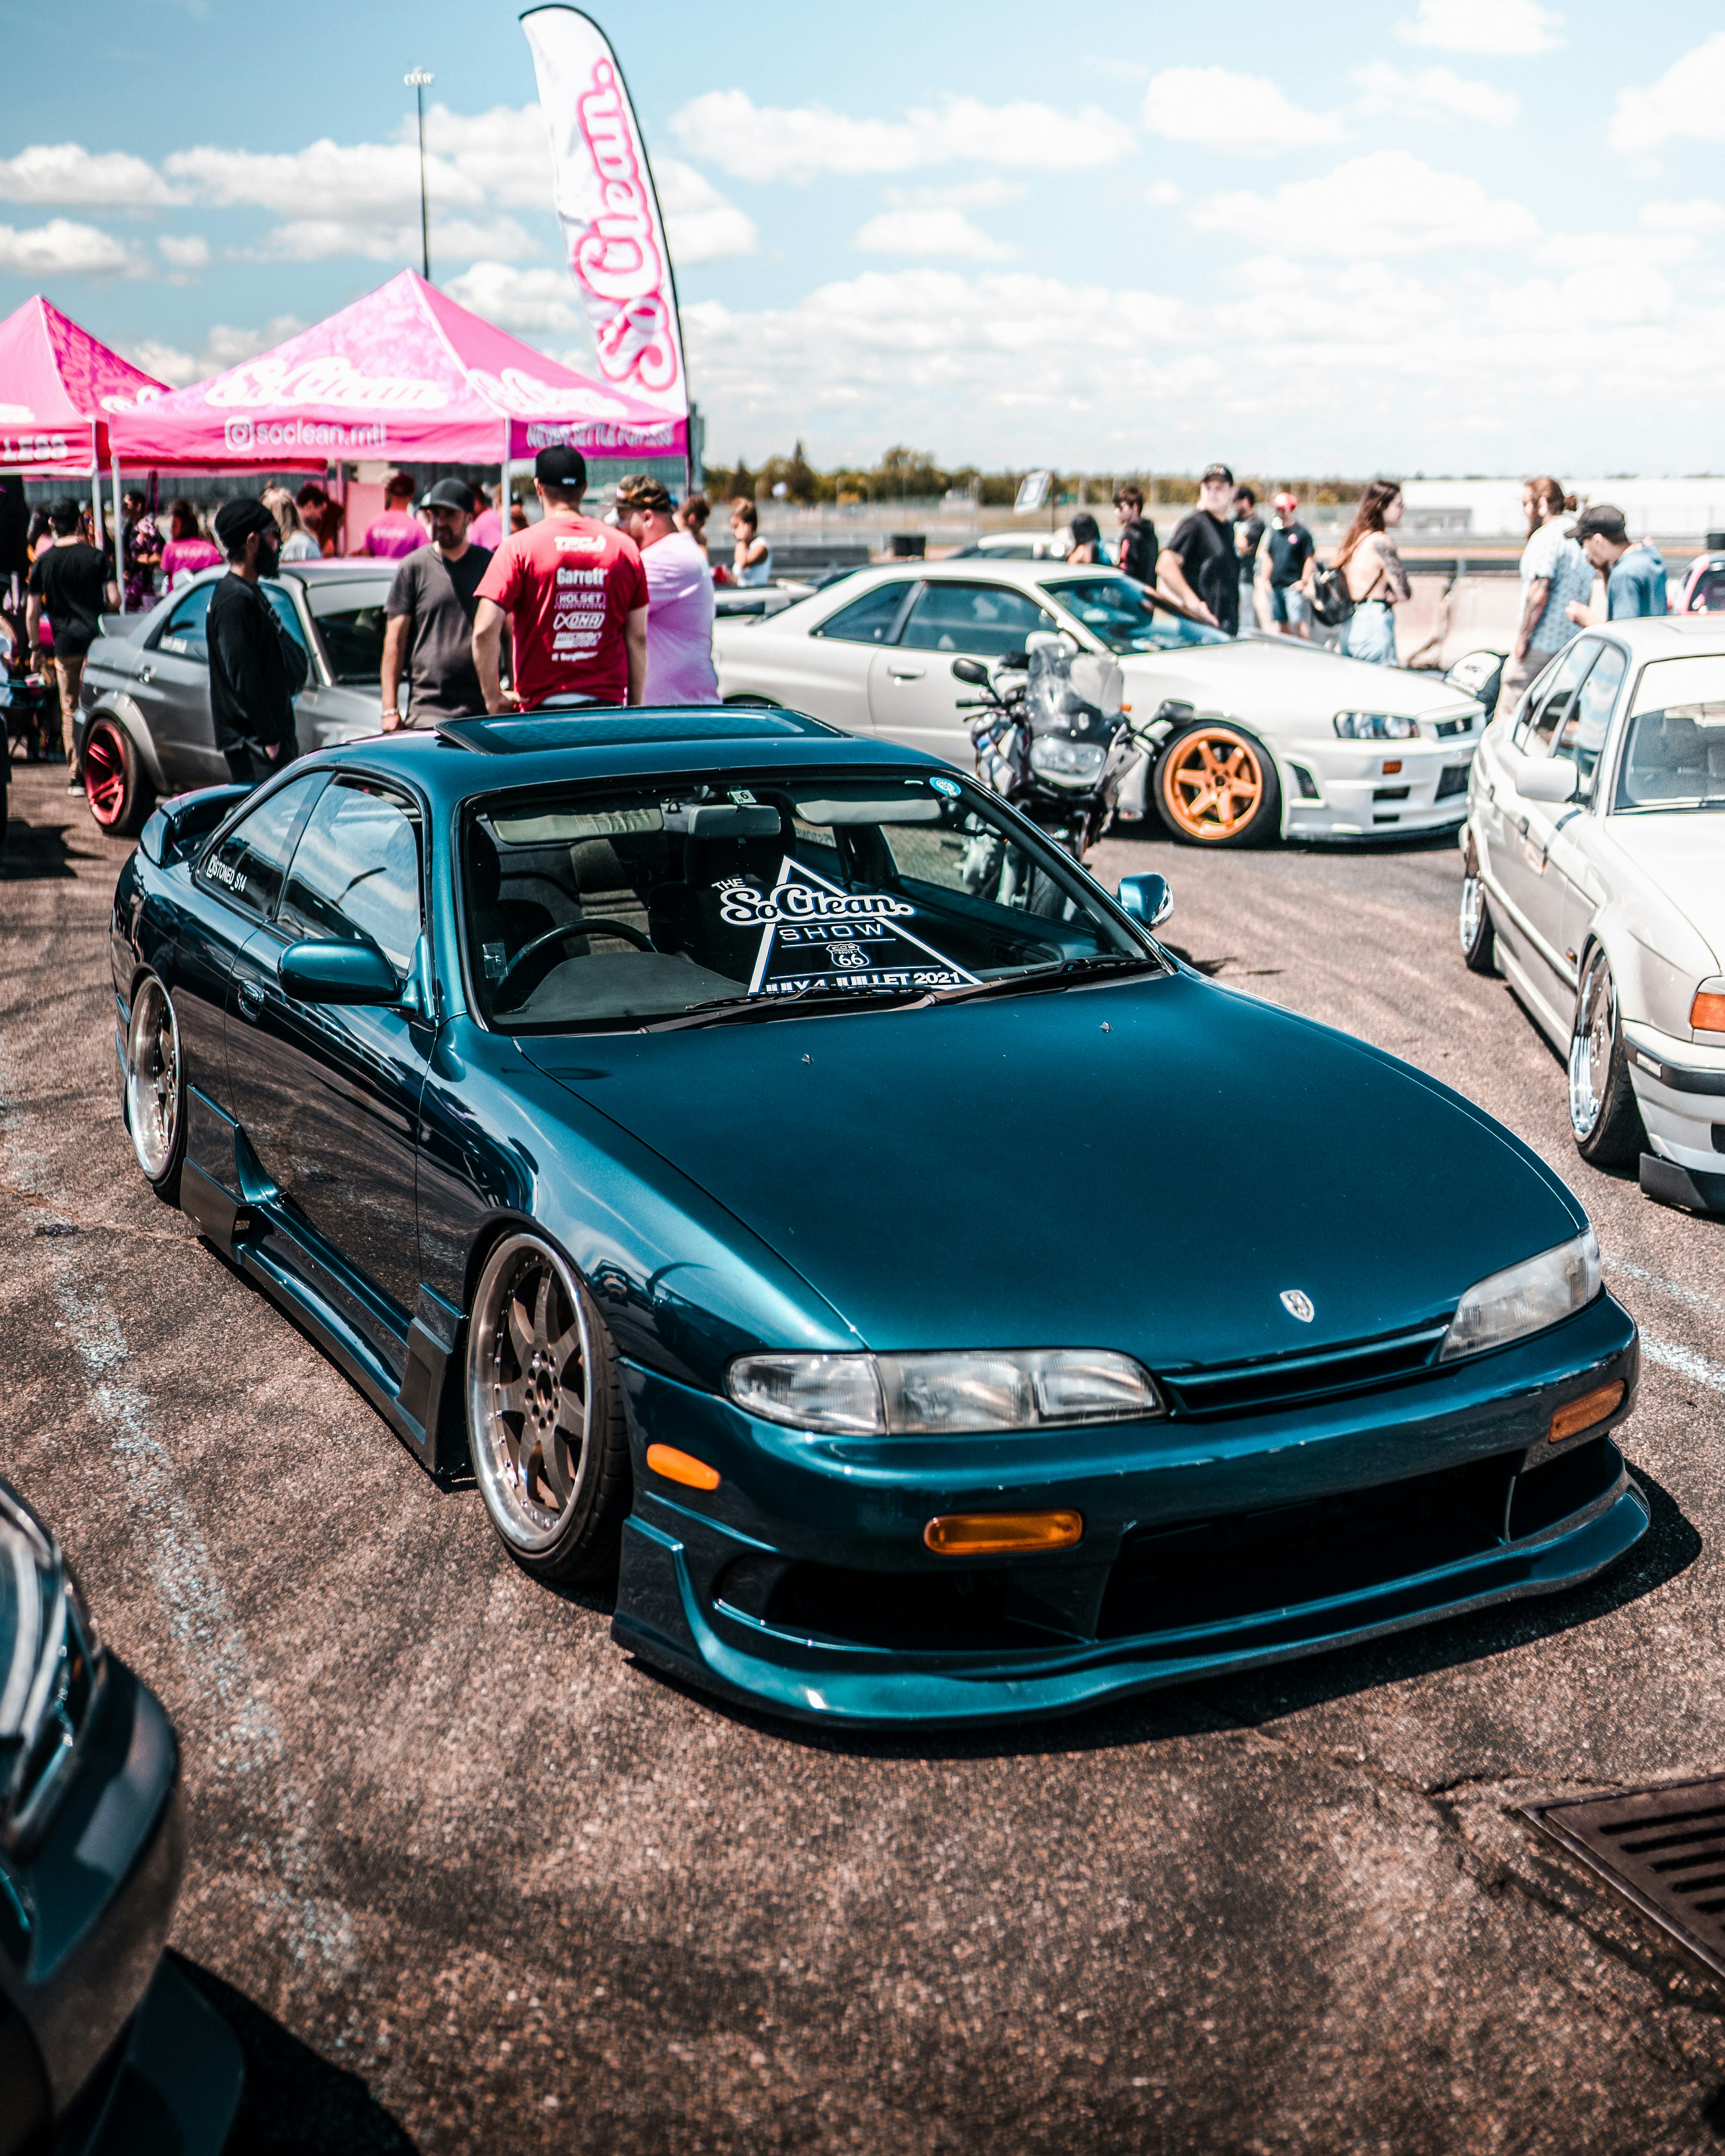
x=466 y=1877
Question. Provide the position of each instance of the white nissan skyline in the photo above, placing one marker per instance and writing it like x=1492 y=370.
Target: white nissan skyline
x=1255 y=736
x=1595 y=878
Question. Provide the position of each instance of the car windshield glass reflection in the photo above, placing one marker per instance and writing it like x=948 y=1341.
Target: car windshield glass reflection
x=1120 y=613
x=741 y=892
x=1674 y=756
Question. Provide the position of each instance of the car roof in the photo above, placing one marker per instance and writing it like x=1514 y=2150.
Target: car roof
x=465 y=757
x=1668 y=636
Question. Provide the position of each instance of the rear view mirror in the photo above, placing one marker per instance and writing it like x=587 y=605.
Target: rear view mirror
x=971 y=670
x=1146 y=898
x=337 y=973
x=1546 y=779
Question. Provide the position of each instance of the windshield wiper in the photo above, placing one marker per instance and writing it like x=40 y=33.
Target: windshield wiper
x=741 y=1010
x=1047 y=976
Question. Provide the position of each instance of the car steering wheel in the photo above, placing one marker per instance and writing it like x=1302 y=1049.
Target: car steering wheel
x=570 y=929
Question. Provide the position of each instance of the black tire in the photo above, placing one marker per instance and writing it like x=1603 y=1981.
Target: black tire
x=1475 y=927
x=115 y=784
x=1215 y=784
x=155 y=1095
x=1605 y=1116
x=546 y=1427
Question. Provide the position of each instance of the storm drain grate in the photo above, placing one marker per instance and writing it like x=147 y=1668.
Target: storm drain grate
x=1663 y=1848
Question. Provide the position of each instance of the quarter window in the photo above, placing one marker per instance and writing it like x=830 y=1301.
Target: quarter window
x=869 y=619
x=986 y=621
x=356 y=874
x=247 y=866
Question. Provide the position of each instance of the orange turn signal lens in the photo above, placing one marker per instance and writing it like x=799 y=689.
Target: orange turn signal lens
x=681 y=1467
x=991 y=1534
x=1707 y=1014
x=1391 y=768
x=1583 y=1414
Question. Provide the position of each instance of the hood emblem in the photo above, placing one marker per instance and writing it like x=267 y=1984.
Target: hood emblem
x=1298 y=1304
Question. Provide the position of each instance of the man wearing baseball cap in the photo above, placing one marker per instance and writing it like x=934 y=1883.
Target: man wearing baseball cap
x=575 y=593
x=256 y=668
x=1285 y=567
x=430 y=611
x=1198 y=567
x=1635 y=576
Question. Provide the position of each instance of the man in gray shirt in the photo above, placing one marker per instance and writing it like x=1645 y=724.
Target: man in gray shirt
x=429 y=611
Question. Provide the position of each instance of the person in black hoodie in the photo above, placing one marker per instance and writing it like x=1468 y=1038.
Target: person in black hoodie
x=256 y=669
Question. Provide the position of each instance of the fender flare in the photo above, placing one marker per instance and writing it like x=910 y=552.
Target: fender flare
x=123 y=713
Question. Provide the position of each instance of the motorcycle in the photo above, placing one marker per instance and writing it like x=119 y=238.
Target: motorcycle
x=1052 y=738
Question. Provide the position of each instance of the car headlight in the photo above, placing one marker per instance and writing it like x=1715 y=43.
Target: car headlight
x=51 y=1667
x=937 y=1395
x=1525 y=1298
x=1376 y=726
x=1066 y=762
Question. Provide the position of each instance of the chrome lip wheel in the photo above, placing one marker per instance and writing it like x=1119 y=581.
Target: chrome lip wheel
x=152 y=1079
x=1473 y=901
x=528 y=1366
x=1590 y=1047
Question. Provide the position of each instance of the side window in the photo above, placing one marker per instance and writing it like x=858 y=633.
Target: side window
x=1536 y=734
x=1582 y=735
x=285 y=613
x=182 y=634
x=248 y=865
x=984 y=620
x=869 y=619
x=356 y=874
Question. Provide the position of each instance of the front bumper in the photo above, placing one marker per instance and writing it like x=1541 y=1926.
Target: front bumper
x=801 y=1584
x=1680 y=1085
x=1340 y=789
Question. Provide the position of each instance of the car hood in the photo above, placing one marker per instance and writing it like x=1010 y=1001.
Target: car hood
x=1680 y=853
x=1283 y=683
x=1146 y=1166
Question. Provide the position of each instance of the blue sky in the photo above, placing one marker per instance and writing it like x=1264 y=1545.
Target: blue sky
x=1448 y=235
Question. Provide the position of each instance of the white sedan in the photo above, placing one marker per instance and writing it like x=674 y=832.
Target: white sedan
x=1595 y=878
x=1255 y=736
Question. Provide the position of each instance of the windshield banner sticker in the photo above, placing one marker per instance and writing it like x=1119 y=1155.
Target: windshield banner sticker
x=815 y=937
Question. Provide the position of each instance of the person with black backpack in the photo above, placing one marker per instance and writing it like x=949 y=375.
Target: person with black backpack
x=1365 y=583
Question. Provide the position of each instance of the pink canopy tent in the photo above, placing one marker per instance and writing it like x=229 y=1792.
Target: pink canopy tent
x=404 y=375
x=57 y=387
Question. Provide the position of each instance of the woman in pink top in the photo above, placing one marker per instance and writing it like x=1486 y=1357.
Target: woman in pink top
x=679 y=597
x=486 y=529
x=187 y=550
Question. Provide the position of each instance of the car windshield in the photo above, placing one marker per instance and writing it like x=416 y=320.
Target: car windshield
x=1122 y=614
x=350 y=621
x=739 y=893
x=1674 y=755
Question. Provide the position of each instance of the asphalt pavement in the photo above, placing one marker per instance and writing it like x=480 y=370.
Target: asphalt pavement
x=465 y=1876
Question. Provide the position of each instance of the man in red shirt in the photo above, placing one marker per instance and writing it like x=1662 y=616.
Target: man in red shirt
x=576 y=594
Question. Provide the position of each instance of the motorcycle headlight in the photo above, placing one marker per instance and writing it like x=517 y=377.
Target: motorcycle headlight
x=1376 y=726
x=1525 y=1298
x=937 y=1395
x=1063 y=762
x=51 y=1667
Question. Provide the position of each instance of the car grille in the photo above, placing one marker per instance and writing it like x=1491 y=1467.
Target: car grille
x=1270 y=1381
x=1452 y=781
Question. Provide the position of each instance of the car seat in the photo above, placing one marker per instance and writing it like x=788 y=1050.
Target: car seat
x=502 y=926
x=723 y=844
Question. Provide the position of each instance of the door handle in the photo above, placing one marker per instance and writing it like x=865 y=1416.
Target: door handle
x=907 y=673
x=146 y=673
x=251 y=998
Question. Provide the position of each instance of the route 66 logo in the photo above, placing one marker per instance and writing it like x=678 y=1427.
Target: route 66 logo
x=847 y=954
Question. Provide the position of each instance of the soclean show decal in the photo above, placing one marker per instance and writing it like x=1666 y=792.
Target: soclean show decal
x=815 y=937
x=605 y=196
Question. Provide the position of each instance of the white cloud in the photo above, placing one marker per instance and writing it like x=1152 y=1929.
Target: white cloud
x=224 y=347
x=1688 y=101
x=1511 y=26
x=188 y=251
x=1697 y=215
x=63 y=248
x=1388 y=203
x=930 y=233
x=776 y=142
x=375 y=239
x=1433 y=92
x=536 y=302
x=503 y=152
x=166 y=361
x=700 y=224
x=67 y=172
x=1244 y=114
x=325 y=180
x=1624 y=253
x=1163 y=195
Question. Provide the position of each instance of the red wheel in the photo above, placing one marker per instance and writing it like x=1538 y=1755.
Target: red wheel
x=114 y=782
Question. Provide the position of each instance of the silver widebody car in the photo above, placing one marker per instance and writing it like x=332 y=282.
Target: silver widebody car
x=145 y=726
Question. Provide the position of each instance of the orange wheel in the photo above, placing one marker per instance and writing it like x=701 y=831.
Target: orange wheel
x=1216 y=786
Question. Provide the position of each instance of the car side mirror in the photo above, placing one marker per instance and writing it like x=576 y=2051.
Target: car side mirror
x=317 y=972
x=1146 y=898
x=1546 y=779
x=971 y=670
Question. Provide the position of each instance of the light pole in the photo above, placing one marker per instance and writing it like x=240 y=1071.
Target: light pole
x=419 y=81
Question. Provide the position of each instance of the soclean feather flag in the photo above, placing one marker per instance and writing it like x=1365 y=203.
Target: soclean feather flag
x=611 y=223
